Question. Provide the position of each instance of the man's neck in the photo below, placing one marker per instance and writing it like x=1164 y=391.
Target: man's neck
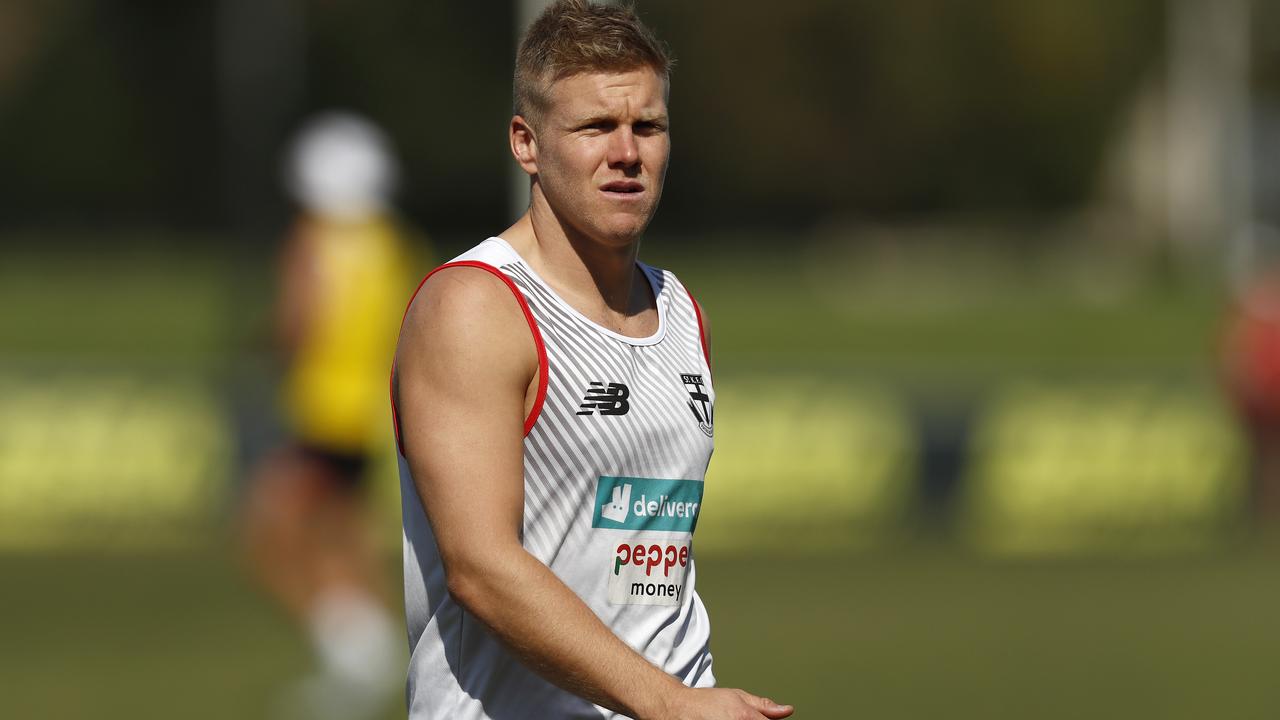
x=598 y=279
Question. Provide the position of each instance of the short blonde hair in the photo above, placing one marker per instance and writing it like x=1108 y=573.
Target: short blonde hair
x=576 y=36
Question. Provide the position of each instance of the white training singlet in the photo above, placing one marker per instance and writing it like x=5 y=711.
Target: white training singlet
x=615 y=451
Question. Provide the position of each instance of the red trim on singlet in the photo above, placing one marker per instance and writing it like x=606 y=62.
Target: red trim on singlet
x=702 y=330
x=534 y=411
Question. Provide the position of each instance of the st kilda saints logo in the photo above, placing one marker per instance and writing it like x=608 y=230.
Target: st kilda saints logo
x=699 y=402
x=608 y=399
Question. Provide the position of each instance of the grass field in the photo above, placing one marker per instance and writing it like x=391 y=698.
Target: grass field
x=901 y=629
x=920 y=631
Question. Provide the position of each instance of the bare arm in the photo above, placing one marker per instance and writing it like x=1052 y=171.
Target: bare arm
x=297 y=289
x=465 y=365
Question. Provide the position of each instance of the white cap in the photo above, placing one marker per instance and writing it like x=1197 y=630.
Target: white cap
x=341 y=165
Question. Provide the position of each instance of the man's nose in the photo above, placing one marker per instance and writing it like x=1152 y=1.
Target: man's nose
x=623 y=151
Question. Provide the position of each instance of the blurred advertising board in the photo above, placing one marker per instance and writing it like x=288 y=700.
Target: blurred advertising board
x=106 y=460
x=109 y=460
x=1102 y=467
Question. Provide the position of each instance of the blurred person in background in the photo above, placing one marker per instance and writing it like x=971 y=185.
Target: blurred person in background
x=343 y=277
x=1253 y=380
x=554 y=400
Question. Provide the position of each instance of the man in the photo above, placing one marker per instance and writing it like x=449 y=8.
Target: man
x=1252 y=372
x=554 y=408
x=342 y=275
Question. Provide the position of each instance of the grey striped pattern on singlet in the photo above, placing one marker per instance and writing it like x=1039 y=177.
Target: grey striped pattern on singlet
x=565 y=453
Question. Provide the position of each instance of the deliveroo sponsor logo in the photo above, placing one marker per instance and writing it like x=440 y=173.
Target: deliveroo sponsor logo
x=626 y=503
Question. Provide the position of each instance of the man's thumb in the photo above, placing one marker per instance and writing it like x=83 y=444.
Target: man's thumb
x=770 y=708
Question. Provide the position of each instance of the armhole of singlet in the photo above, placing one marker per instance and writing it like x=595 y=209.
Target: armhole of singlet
x=702 y=330
x=538 y=399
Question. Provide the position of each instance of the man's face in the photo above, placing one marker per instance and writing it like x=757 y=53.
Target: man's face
x=602 y=150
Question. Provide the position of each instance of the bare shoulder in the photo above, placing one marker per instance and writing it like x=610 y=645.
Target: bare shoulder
x=463 y=293
x=465 y=319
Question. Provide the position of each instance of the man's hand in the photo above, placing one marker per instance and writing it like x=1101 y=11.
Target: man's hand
x=724 y=704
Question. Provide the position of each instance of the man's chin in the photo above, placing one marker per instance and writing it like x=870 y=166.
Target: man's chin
x=614 y=234
x=619 y=235
x=625 y=227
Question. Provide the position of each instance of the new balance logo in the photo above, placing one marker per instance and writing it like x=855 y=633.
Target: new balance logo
x=608 y=399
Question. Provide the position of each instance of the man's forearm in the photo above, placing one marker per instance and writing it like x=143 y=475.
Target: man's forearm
x=553 y=632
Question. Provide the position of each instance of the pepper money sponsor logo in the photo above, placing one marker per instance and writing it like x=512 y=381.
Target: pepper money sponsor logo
x=624 y=503
x=649 y=573
x=651 y=568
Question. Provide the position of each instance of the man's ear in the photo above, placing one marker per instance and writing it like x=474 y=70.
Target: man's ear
x=524 y=145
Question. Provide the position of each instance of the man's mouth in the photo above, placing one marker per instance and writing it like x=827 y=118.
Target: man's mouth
x=622 y=187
